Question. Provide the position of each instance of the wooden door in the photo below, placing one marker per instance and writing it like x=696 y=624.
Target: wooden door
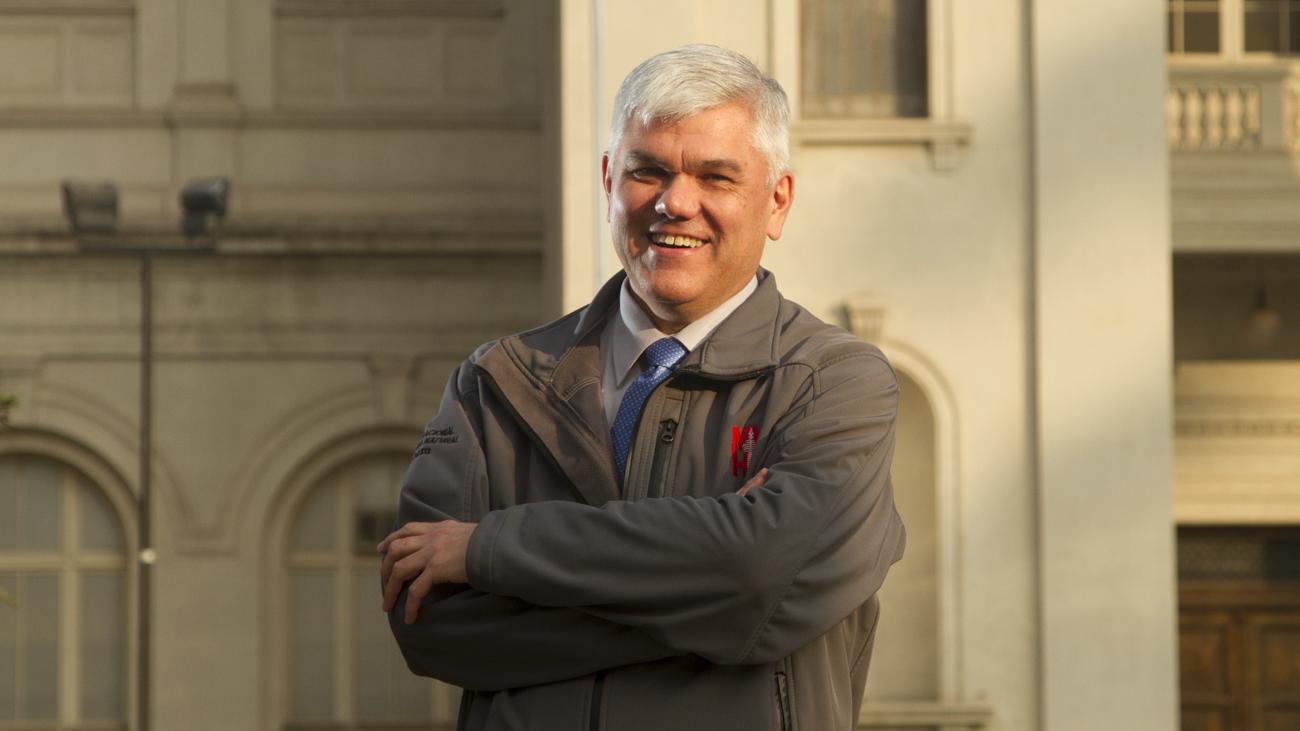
x=1239 y=636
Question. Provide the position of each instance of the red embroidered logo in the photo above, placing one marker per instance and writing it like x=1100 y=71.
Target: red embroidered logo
x=743 y=439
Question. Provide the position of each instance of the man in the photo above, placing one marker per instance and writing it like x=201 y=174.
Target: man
x=671 y=509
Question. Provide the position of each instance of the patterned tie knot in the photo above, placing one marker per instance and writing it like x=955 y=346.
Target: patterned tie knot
x=664 y=352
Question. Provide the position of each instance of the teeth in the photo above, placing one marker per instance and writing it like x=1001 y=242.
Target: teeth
x=679 y=241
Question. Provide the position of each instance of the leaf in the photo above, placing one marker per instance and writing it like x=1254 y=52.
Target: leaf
x=7 y=599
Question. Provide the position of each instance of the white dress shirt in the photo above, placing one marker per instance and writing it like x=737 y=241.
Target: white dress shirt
x=628 y=335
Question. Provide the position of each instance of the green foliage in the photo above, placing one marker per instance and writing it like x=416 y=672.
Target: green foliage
x=5 y=598
x=7 y=402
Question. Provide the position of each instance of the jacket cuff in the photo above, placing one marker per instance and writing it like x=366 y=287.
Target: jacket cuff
x=478 y=557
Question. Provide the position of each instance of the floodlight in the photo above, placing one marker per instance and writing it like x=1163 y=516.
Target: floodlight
x=203 y=201
x=90 y=206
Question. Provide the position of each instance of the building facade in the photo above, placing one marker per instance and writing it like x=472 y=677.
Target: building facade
x=1054 y=218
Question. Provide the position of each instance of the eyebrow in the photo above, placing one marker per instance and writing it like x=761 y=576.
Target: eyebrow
x=637 y=157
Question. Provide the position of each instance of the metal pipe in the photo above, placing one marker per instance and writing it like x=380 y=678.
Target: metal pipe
x=144 y=502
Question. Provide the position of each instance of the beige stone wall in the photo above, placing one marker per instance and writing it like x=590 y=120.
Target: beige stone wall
x=389 y=213
x=393 y=173
x=1011 y=253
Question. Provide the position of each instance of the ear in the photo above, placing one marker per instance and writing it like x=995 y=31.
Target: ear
x=779 y=205
x=607 y=180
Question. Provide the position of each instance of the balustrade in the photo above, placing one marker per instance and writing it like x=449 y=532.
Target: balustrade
x=1233 y=107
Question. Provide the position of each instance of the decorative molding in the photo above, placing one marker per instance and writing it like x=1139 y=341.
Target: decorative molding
x=1238 y=427
x=947 y=716
x=948 y=500
x=382 y=8
x=67 y=7
x=200 y=102
x=510 y=237
x=944 y=138
x=865 y=313
x=17 y=381
x=1231 y=107
x=96 y=117
x=390 y=380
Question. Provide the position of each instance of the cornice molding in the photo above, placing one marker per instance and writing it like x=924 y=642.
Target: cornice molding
x=117 y=118
x=1238 y=427
x=938 y=713
x=390 y=8
x=67 y=7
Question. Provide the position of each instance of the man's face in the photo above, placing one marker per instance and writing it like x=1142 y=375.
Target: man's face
x=690 y=210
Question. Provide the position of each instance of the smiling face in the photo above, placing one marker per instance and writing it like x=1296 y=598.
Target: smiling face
x=690 y=210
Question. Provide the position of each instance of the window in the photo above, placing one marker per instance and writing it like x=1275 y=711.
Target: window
x=63 y=599
x=345 y=670
x=864 y=58
x=1233 y=28
x=870 y=72
x=1193 y=26
x=1271 y=26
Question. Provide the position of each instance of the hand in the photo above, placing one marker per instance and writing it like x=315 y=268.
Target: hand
x=753 y=483
x=424 y=554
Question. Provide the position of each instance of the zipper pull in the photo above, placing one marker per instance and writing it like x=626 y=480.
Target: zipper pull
x=667 y=431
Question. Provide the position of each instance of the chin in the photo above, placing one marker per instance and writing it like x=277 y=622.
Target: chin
x=667 y=290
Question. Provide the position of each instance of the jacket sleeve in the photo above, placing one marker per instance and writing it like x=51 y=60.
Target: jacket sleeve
x=479 y=640
x=736 y=580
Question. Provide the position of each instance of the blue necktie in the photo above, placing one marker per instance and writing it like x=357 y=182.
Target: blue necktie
x=659 y=360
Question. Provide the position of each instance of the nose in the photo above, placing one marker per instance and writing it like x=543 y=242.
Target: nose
x=679 y=199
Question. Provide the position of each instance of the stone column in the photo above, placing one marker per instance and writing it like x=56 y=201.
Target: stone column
x=1102 y=329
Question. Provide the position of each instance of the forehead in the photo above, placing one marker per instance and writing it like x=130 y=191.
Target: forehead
x=725 y=132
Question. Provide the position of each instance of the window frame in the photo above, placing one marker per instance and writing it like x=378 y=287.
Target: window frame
x=277 y=653
x=941 y=130
x=1232 y=39
x=78 y=461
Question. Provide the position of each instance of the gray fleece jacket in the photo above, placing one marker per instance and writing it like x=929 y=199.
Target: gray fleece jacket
x=670 y=603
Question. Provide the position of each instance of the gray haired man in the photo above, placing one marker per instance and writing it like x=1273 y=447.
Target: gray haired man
x=670 y=509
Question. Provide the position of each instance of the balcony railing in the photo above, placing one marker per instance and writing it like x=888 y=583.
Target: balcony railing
x=1233 y=107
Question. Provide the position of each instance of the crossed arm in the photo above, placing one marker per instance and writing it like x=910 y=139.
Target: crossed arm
x=426 y=554
x=735 y=579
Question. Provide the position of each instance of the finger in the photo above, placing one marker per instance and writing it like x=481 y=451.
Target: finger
x=402 y=570
x=409 y=529
x=419 y=589
x=388 y=539
x=397 y=550
x=756 y=481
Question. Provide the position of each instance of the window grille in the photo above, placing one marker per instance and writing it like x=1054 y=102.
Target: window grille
x=864 y=58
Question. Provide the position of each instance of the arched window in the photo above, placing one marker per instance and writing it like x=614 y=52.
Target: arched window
x=907 y=641
x=344 y=668
x=63 y=599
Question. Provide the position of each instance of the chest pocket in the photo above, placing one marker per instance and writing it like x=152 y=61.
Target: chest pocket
x=658 y=447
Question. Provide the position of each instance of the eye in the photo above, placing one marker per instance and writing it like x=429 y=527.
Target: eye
x=646 y=172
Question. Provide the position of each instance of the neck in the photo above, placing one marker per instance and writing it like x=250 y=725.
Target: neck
x=667 y=320
x=670 y=319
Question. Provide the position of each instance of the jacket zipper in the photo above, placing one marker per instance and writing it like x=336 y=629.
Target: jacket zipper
x=663 y=445
x=782 y=702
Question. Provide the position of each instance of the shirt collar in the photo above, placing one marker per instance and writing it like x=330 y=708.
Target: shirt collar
x=634 y=331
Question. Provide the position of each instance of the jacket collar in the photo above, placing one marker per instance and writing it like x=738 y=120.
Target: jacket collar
x=746 y=342
x=552 y=379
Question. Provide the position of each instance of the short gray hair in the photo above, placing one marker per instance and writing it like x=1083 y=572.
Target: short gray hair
x=685 y=81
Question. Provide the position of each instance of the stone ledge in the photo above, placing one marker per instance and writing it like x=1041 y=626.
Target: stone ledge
x=105 y=117
x=399 y=8
x=67 y=7
x=944 y=137
x=936 y=714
